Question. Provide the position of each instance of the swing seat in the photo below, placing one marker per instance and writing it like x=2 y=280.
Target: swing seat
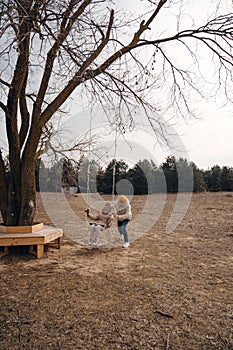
x=96 y=224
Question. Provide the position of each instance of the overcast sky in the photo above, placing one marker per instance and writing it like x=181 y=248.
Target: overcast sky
x=206 y=141
x=209 y=139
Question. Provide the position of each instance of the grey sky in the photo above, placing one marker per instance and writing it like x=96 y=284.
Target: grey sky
x=207 y=141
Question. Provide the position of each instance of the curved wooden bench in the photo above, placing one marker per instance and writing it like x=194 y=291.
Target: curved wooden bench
x=48 y=235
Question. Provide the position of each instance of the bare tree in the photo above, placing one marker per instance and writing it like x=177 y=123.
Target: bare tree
x=50 y=49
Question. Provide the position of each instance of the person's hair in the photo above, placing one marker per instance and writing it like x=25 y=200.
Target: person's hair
x=122 y=198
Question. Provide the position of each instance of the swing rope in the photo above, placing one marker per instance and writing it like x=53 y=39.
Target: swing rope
x=114 y=167
x=88 y=159
x=89 y=163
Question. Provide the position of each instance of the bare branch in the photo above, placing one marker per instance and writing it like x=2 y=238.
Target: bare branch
x=3 y=107
x=64 y=31
x=5 y=83
x=25 y=116
x=46 y=115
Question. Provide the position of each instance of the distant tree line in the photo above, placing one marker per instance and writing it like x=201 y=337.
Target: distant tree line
x=143 y=178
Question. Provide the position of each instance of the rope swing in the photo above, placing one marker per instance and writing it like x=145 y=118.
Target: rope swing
x=116 y=136
x=100 y=214
x=88 y=161
x=114 y=167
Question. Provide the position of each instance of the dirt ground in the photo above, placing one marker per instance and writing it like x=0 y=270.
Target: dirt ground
x=166 y=292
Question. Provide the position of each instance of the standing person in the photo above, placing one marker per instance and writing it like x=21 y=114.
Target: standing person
x=99 y=222
x=123 y=215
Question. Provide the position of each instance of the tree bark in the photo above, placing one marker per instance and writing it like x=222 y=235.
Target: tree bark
x=3 y=189
x=28 y=201
x=28 y=177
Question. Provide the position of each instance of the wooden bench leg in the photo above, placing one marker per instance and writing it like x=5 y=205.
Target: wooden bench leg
x=39 y=250
x=4 y=252
x=31 y=250
x=55 y=244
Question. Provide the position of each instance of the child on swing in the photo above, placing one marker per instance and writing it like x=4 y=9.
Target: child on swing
x=99 y=222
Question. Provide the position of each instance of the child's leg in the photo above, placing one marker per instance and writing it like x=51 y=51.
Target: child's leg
x=92 y=233
x=98 y=229
x=122 y=229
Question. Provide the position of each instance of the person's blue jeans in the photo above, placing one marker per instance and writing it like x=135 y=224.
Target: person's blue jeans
x=122 y=229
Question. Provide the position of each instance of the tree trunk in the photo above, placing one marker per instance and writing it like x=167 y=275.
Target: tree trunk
x=3 y=189
x=28 y=194
x=28 y=177
x=18 y=188
x=21 y=212
x=13 y=204
x=10 y=194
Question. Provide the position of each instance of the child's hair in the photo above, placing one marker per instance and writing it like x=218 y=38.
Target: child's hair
x=122 y=198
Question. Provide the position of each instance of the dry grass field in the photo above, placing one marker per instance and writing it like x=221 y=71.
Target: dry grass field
x=166 y=292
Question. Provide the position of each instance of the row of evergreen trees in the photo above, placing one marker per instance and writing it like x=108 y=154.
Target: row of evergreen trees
x=145 y=177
